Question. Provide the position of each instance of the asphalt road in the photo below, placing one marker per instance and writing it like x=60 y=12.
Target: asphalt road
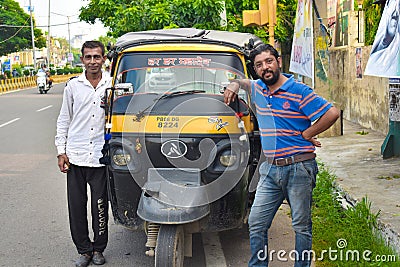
x=34 y=229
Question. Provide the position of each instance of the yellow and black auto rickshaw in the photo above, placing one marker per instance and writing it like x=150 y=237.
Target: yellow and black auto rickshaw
x=180 y=160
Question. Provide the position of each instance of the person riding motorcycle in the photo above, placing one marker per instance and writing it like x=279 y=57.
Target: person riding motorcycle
x=44 y=82
x=49 y=80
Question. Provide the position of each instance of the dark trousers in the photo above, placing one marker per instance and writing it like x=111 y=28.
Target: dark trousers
x=77 y=179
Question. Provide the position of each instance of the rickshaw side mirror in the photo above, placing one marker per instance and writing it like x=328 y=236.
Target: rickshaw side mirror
x=123 y=88
x=223 y=87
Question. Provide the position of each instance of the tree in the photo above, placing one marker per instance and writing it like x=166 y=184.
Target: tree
x=373 y=13
x=125 y=15
x=106 y=40
x=14 y=39
x=122 y=16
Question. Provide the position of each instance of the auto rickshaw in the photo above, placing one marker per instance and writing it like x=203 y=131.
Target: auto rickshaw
x=180 y=161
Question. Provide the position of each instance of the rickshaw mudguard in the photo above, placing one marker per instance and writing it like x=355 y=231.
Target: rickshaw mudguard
x=156 y=204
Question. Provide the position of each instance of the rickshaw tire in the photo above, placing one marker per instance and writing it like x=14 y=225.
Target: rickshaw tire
x=170 y=247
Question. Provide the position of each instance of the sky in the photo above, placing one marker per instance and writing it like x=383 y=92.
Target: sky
x=65 y=8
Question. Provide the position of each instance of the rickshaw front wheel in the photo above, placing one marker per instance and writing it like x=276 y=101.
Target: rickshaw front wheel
x=170 y=246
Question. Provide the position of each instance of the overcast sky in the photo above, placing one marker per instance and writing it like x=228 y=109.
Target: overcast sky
x=66 y=8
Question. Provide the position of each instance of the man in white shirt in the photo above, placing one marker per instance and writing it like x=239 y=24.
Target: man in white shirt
x=79 y=140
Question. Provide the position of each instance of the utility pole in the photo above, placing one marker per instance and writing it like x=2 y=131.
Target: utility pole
x=266 y=15
x=391 y=145
x=33 y=37
x=48 y=40
x=69 y=42
x=69 y=36
x=69 y=32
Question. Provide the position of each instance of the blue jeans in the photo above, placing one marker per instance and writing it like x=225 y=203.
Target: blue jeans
x=295 y=183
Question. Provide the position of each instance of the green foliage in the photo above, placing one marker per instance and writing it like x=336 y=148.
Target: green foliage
x=354 y=229
x=122 y=16
x=26 y=72
x=106 y=40
x=18 y=68
x=372 y=16
x=60 y=71
x=14 y=39
x=125 y=16
x=362 y=132
x=68 y=70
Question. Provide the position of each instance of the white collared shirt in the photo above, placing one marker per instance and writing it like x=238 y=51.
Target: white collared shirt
x=80 y=125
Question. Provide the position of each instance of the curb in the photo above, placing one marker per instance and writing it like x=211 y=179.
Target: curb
x=391 y=237
x=14 y=84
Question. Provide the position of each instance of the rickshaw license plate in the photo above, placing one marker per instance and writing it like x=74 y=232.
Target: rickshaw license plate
x=167 y=122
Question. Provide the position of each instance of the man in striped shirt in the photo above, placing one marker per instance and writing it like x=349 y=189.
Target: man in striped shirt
x=285 y=110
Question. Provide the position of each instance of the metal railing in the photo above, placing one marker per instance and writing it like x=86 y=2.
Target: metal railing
x=28 y=82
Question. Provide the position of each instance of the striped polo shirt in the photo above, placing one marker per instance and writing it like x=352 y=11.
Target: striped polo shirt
x=284 y=114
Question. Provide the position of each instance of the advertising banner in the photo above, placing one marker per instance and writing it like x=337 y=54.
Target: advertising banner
x=394 y=99
x=384 y=57
x=302 y=56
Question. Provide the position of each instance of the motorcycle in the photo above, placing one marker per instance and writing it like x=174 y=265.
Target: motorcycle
x=179 y=160
x=42 y=85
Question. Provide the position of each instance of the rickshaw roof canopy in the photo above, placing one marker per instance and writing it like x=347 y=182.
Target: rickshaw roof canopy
x=241 y=41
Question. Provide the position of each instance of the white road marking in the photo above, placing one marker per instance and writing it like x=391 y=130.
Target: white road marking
x=9 y=122
x=213 y=250
x=44 y=108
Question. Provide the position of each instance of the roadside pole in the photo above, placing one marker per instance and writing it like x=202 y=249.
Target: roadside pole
x=266 y=15
x=33 y=36
x=391 y=145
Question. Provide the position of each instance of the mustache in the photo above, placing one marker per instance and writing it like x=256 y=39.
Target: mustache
x=267 y=71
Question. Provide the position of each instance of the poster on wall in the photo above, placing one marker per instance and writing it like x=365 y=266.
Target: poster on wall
x=394 y=104
x=302 y=56
x=342 y=22
x=331 y=12
x=394 y=99
x=358 y=63
x=384 y=57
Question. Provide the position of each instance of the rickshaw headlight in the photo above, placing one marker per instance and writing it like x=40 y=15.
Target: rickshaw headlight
x=121 y=158
x=227 y=158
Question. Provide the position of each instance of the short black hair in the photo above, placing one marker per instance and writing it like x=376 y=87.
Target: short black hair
x=93 y=44
x=263 y=48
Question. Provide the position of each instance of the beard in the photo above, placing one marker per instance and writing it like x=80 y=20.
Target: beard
x=273 y=79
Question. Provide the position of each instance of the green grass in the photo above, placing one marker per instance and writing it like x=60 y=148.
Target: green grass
x=346 y=234
x=362 y=132
x=395 y=176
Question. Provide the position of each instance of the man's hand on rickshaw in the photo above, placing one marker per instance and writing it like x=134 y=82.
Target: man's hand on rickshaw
x=230 y=92
x=63 y=163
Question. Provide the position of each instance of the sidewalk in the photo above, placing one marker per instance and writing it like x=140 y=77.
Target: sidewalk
x=361 y=172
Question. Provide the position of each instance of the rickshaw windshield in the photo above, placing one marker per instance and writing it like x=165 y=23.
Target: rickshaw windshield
x=161 y=72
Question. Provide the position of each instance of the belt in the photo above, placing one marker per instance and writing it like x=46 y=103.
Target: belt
x=291 y=160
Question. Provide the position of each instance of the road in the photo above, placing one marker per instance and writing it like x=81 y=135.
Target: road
x=33 y=215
